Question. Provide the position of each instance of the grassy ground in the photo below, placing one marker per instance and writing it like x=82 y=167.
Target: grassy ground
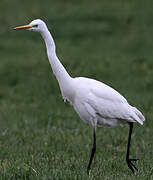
x=40 y=136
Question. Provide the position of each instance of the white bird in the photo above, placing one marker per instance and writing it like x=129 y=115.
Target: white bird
x=95 y=102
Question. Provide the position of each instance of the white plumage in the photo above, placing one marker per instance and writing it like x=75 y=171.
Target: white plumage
x=95 y=102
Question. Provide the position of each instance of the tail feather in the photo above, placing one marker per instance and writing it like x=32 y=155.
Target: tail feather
x=140 y=118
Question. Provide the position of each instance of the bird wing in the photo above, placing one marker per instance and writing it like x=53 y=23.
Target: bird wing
x=104 y=102
x=108 y=107
x=99 y=89
x=109 y=104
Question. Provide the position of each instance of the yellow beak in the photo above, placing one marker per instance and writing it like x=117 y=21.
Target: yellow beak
x=23 y=27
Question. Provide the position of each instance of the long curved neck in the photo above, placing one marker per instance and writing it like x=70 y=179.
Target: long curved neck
x=64 y=79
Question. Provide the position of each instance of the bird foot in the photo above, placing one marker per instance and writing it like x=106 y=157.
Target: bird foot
x=131 y=165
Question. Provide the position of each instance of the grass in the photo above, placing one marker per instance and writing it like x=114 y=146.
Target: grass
x=40 y=136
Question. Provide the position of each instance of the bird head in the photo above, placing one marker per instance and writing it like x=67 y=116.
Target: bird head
x=36 y=25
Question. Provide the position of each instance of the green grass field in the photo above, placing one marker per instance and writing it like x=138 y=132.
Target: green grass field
x=41 y=137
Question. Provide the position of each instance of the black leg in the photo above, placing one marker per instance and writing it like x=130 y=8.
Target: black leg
x=93 y=150
x=128 y=160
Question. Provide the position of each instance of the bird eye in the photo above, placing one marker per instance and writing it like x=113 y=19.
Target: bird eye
x=36 y=25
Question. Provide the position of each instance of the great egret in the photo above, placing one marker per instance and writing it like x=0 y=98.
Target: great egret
x=95 y=102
